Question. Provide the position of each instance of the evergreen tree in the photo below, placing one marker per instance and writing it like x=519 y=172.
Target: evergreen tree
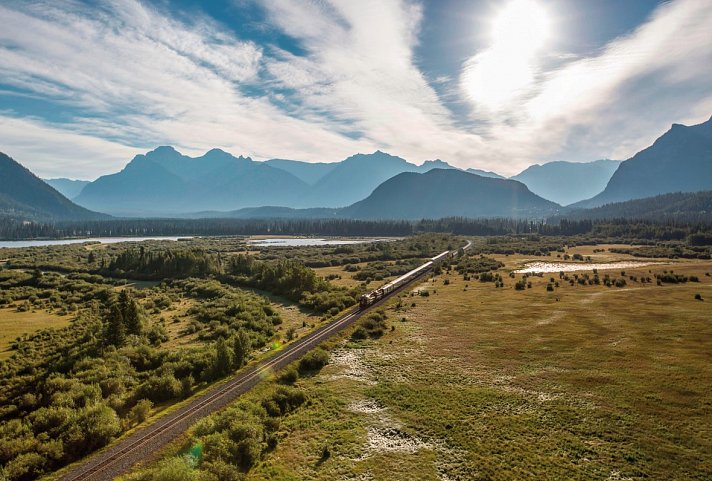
x=115 y=328
x=130 y=313
x=241 y=348
x=223 y=358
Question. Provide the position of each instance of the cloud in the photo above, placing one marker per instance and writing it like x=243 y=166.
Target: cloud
x=128 y=76
x=62 y=153
x=617 y=102
x=135 y=76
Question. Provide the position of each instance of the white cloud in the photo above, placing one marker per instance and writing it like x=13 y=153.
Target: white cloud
x=619 y=101
x=61 y=153
x=146 y=79
x=132 y=77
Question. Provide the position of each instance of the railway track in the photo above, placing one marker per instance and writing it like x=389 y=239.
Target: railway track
x=119 y=458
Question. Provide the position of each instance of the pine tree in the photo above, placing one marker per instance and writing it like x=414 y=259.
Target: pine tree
x=115 y=328
x=223 y=358
x=241 y=348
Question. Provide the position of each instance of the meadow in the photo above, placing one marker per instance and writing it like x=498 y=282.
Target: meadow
x=483 y=382
x=475 y=373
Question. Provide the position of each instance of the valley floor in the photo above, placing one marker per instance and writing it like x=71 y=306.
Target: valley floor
x=477 y=382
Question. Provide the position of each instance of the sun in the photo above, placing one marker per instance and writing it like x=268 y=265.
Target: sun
x=522 y=25
x=501 y=73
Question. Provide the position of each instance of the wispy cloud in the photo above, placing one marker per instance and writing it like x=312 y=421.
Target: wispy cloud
x=128 y=76
x=619 y=101
x=141 y=78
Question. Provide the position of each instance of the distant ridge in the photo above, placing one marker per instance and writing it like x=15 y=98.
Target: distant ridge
x=24 y=196
x=485 y=173
x=67 y=187
x=450 y=193
x=568 y=182
x=165 y=181
x=690 y=207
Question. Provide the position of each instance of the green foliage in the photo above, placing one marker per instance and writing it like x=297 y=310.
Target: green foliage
x=313 y=361
x=373 y=326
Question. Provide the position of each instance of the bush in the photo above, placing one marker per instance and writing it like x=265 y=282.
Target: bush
x=289 y=376
x=698 y=296
x=313 y=361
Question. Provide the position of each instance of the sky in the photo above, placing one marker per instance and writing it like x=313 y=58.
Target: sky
x=495 y=85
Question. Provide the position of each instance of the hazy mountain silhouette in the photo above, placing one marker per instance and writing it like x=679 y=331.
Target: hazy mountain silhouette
x=164 y=181
x=679 y=161
x=485 y=173
x=568 y=182
x=67 y=187
x=446 y=193
x=306 y=171
x=23 y=195
x=357 y=176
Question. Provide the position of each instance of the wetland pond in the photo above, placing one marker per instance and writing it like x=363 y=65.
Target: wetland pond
x=533 y=267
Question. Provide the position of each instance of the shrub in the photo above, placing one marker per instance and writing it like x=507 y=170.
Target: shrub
x=313 y=361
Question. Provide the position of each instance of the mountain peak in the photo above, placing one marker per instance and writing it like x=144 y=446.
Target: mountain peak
x=163 y=149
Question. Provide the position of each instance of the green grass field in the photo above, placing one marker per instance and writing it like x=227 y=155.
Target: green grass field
x=14 y=324
x=478 y=382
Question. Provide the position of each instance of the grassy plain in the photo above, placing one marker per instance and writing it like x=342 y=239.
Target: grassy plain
x=14 y=323
x=477 y=382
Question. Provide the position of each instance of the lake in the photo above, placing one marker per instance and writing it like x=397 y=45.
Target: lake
x=59 y=242
x=307 y=241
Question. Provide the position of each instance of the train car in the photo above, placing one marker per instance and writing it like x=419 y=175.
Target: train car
x=373 y=296
x=440 y=256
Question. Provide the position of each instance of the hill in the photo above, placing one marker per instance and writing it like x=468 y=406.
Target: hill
x=679 y=161
x=69 y=188
x=165 y=182
x=568 y=182
x=449 y=193
x=24 y=196
x=685 y=207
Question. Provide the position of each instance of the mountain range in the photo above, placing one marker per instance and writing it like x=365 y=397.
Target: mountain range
x=69 y=188
x=433 y=194
x=164 y=182
x=678 y=161
x=568 y=182
x=25 y=196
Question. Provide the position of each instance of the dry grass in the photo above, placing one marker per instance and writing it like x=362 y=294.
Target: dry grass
x=14 y=324
x=478 y=382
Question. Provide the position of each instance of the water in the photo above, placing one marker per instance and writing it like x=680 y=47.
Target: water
x=59 y=242
x=308 y=241
x=533 y=267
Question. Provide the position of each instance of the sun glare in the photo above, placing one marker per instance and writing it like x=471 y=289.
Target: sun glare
x=521 y=25
x=503 y=71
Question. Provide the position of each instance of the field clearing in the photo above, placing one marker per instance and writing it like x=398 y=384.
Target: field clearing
x=478 y=382
x=14 y=324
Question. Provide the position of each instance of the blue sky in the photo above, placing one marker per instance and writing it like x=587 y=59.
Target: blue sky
x=497 y=85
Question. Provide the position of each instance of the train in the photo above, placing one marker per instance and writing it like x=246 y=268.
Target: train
x=373 y=296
